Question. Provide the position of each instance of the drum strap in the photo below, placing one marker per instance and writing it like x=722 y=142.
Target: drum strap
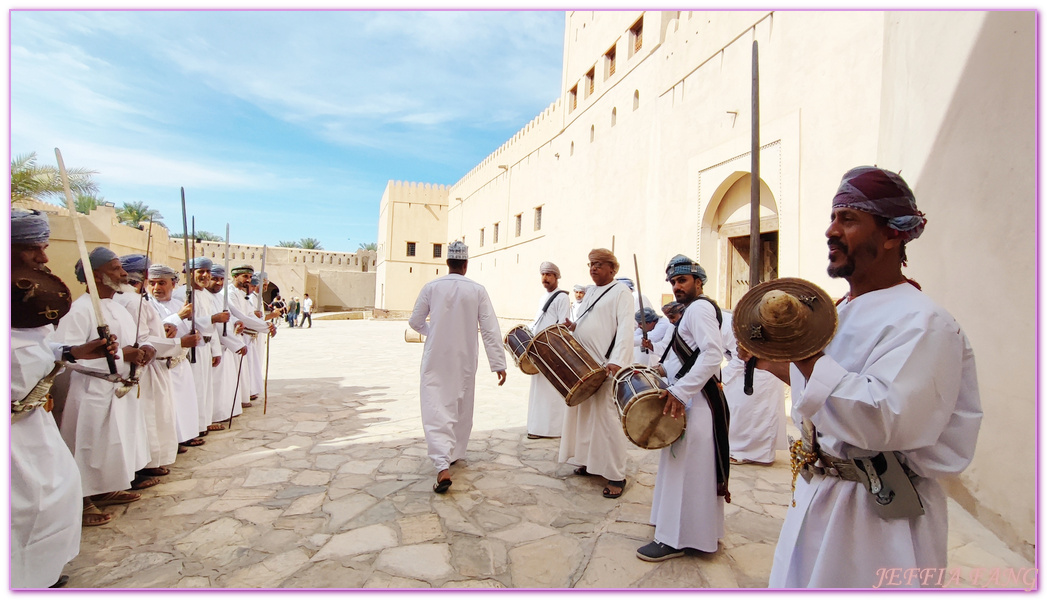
x=549 y=302
x=590 y=307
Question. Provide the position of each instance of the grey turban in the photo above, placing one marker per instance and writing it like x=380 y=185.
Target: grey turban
x=218 y=271
x=255 y=280
x=99 y=257
x=136 y=265
x=162 y=272
x=548 y=267
x=200 y=262
x=681 y=265
x=29 y=227
x=648 y=313
x=579 y=288
x=628 y=282
x=882 y=193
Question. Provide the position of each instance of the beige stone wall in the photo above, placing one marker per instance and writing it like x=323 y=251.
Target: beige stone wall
x=655 y=162
x=409 y=213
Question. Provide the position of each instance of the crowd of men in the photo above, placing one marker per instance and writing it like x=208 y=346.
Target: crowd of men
x=887 y=408
x=177 y=361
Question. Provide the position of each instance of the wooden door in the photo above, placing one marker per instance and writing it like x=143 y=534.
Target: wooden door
x=738 y=264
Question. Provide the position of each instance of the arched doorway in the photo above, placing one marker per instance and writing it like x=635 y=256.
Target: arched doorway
x=728 y=218
x=271 y=291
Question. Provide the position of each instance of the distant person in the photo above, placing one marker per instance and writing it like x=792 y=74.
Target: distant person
x=545 y=408
x=673 y=311
x=292 y=311
x=579 y=294
x=455 y=307
x=307 y=311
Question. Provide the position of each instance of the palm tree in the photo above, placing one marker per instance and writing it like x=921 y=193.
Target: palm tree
x=133 y=213
x=369 y=246
x=310 y=244
x=85 y=203
x=201 y=236
x=284 y=244
x=32 y=181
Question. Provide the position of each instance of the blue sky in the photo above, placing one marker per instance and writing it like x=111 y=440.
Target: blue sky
x=284 y=124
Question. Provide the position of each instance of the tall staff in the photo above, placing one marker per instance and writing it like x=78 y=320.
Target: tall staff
x=643 y=317
x=188 y=278
x=754 y=206
x=85 y=258
x=225 y=294
x=141 y=298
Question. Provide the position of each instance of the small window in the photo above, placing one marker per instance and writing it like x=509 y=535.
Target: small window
x=590 y=82
x=636 y=99
x=636 y=32
x=481 y=237
x=356 y=260
x=495 y=239
x=572 y=148
x=438 y=251
x=592 y=133
x=610 y=58
x=519 y=224
x=538 y=218
x=572 y=99
x=614 y=117
x=313 y=258
x=212 y=255
x=410 y=248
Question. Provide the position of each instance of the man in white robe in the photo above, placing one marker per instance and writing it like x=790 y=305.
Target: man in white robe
x=455 y=307
x=636 y=295
x=546 y=407
x=686 y=510
x=106 y=434
x=154 y=381
x=898 y=377
x=209 y=353
x=576 y=301
x=46 y=505
x=757 y=421
x=162 y=282
x=658 y=331
x=592 y=431
x=230 y=376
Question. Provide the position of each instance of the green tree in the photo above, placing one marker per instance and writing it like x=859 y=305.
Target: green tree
x=284 y=244
x=134 y=213
x=85 y=203
x=201 y=236
x=32 y=181
x=369 y=246
x=310 y=244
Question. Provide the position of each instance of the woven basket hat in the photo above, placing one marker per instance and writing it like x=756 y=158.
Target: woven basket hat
x=38 y=298
x=785 y=320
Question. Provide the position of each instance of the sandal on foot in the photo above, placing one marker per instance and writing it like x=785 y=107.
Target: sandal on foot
x=121 y=497
x=155 y=471
x=216 y=427
x=618 y=484
x=183 y=448
x=141 y=483
x=93 y=517
x=580 y=471
x=441 y=486
x=193 y=442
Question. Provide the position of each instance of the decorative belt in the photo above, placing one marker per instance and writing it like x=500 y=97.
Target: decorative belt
x=207 y=339
x=174 y=361
x=38 y=397
x=253 y=334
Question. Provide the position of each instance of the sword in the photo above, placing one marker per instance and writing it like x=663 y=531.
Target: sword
x=225 y=288
x=639 y=294
x=261 y=282
x=92 y=287
x=188 y=279
x=141 y=299
x=754 y=206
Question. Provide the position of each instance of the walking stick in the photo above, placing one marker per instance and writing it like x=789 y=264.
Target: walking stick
x=265 y=382
x=236 y=390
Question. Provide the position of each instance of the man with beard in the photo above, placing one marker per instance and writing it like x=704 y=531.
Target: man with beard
x=46 y=491
x=162 y=283
x=209 y=355
x=688 y=505
x=455 y=306
x=240 y=304
x=894 y=393
x=579 y=294
x=154 y=381
x=546 y=407
x=592 y=431
x=106 y=434
x=230 y=375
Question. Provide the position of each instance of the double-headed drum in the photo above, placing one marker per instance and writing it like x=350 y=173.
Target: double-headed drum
x=413 y=337
x=636 y=390
x=566 y=364
x=516 y=342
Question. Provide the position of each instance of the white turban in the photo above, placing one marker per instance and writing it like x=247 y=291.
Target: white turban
x=548 y=267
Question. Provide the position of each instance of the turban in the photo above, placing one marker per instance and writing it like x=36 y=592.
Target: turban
x=579 y=288
x=242 y=269
x=200 y=262
x=457 y=250
x=218 y=271
x=604 y=255
x=98 y=257
x=255 y=280
x=672 y=308
x=159 y=271
x=262 y=275
x=29 y=227
x=648 y=315
x=548 y=267
x=628 y=282
x=135 y=263
x=884 y=194
x=681 y=265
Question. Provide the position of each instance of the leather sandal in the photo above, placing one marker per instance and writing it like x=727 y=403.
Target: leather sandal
x=141 y=483
x=581 y=472
x=441 y=486
x=193 y=442
x=216 y=427
x=121 y=497
x=183 y=448
x=155 y=471
x=607 y=493
x=93 y=517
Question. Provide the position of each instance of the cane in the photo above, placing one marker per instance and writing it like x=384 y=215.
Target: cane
x=235 y=390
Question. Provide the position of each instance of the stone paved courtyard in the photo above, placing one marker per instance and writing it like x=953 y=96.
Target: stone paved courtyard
x=331 y=488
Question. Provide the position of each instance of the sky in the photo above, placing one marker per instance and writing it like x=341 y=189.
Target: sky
x=284 y=124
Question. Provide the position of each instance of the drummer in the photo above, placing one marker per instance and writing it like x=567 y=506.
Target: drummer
x=546 y=407
x=686 y=510
x=592 y=431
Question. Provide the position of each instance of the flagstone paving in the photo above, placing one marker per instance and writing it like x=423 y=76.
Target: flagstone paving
x=330 y=487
